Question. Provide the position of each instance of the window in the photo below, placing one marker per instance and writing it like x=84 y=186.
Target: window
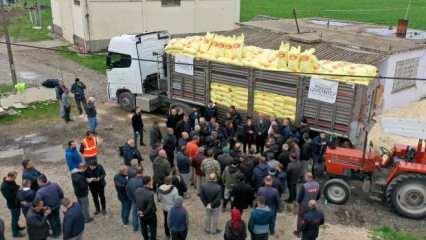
x=118 y=60
x=405 y=69
x=77 y=2
x=170 y=3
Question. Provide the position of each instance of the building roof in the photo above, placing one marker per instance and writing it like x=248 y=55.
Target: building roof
x=333 y=39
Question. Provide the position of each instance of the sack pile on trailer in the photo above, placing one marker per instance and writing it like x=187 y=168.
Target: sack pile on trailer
x=276 y=105
x=228 y=95
x=231 y=50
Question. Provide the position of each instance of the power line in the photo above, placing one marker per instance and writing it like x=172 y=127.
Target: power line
x=191 y=64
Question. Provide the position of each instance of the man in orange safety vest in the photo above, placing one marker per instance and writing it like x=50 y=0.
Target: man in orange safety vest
x=89 y=147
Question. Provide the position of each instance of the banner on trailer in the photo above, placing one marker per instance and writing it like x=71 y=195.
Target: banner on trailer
x=184 y=64
x=323 y=90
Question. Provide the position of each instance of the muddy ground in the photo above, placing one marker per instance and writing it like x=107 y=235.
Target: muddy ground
x=44 y=141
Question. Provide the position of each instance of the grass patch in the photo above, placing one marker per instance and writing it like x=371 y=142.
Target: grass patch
x=6 y=88
x=20 y=27
x=387 y=233
x=385 y=12
x=35 y=111
x=93 y=61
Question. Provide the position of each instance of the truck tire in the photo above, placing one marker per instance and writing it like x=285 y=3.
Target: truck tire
x=337 y=191
x=406 y=195
x=127 y=101
x=185 y=107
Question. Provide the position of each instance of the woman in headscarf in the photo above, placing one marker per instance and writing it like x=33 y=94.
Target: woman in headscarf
x=235 y=229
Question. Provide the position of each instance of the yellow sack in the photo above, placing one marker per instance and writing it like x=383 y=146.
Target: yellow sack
x=308 y=61
x=294 y=59
x=283 y=56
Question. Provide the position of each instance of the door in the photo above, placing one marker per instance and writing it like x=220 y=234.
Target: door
x=119 y=73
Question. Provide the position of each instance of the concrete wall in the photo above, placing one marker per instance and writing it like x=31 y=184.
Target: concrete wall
x=392 y=99
x=108 y=18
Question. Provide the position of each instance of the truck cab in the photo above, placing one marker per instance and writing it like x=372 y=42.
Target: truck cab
x=135 y=69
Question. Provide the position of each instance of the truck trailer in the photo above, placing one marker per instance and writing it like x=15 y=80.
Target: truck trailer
x=141 y=74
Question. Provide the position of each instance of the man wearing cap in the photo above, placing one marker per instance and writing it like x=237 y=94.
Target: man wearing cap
x=272 y=198
x=230 y=177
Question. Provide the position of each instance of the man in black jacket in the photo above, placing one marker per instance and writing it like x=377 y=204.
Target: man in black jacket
x=130 y=152
x=137 y=124
x=37 y=226
x=77 y=88
x=120 y=183
x=145 y=204
x=211 y=195
x=242 y=195
x=95 y=175
x=294 y=171
x=26 y=196
x=261 y=128
x=155 y=135
x=81 y=190
x=9 y=189
x=169 y=145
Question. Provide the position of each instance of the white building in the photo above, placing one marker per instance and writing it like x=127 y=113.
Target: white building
x=90 y=24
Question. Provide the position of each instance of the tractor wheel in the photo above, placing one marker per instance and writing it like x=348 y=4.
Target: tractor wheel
x=337 y=191
x=406 y=194
x=127 y=101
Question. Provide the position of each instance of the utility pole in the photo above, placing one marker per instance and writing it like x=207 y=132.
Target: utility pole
x=5 y=22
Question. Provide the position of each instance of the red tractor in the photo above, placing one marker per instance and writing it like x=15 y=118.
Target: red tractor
x=397 y=177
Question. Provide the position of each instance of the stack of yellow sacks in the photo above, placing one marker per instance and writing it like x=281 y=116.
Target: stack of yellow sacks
x=231 y=50
x=275 y=105
x=228 y=95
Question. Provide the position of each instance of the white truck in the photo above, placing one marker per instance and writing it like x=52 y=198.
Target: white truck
x=141 y=74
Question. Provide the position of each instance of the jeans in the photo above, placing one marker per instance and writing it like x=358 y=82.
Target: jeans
x=81 y=102
x=263 y=236
x=136 y=134
x=149 y=227
x=55 y=222
x=166 y=225
x=93 y=123
x=179 y=235
x=186 y=178
x=125 y=211
x=274 y=220
x=84 y=204
x=212 y=216
x=135 y=218
x=15 y=213
x=98 y=194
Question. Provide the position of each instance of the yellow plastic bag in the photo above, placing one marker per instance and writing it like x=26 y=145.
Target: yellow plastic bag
x=283 y=56
x=294 y=59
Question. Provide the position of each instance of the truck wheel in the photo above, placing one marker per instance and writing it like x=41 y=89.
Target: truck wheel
x=127 y=101
x=406 y=194
x=337 y=191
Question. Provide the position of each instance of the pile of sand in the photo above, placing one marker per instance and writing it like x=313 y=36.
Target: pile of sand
x=416 y=110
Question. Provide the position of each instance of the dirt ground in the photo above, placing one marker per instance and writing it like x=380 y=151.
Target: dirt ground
x=351 y=221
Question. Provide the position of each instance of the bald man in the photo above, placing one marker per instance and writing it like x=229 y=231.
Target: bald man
x=161 y=167
x=310 y=190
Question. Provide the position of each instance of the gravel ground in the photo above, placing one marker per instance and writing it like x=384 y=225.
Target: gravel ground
x=351 y=221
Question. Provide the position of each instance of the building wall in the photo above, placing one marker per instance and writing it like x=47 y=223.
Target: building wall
x=108 y=18
x=401 y=98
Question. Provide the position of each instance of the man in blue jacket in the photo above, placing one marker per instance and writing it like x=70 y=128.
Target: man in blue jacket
x=72 y=157
x=51 y=194
x=261 y=220
x=272 y=198
x=73 y=226
x=132 y=186
x=120 y=181
x=312 y=220
x=30 y=173
x=178 y=220
x=260 y=172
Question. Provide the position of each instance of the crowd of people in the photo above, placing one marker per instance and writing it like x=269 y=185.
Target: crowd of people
x=242 y=166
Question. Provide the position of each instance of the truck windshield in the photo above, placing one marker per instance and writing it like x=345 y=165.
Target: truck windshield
x=118 y=60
